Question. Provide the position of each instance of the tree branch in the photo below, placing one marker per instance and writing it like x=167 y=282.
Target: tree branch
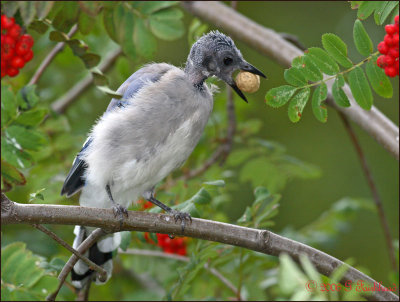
x=47 y=60
x=212 y=270
x=271 y=44
x=85 y=245
x=374 y=190
x=85 y=259
x=67 y=99
x=262 y=241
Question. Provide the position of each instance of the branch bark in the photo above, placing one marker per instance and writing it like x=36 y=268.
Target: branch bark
x=271 y=44
x=63 y=102
x=262 y=241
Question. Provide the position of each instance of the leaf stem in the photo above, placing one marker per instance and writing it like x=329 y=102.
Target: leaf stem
x=340 y=73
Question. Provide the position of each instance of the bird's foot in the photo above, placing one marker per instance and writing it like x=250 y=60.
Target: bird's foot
x=121 y=212
x=182 y=216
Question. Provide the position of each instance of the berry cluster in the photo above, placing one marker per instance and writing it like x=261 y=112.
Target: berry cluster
x=15 y=47
x=389 y=48
x=170 y=246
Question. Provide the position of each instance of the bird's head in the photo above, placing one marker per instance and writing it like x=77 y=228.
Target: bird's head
x=215 y=54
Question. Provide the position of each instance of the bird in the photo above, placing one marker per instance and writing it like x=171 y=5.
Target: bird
x=145 y=135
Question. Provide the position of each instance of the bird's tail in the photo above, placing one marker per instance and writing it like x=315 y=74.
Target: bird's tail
x=100 y=253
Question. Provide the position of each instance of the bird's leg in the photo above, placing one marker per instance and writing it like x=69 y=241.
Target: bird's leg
x=176 y=214
x=117 y=208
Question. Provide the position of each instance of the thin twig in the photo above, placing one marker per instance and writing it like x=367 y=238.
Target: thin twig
x=263 y=241
x=271 y=44
x=374 y=190
x=212 y=270
x=83 y=295
x=85 y=259
x=84 y=246
x=67 y=99
x=47 y=60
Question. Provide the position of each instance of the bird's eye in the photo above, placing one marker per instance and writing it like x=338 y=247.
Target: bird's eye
x=228 y=61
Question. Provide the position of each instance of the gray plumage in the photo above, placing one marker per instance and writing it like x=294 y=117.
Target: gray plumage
x=152 y=130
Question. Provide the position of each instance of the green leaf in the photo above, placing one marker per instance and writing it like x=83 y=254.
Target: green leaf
x=99 y=78
x=128 y=45
x=39 y=26
x=338 y=94
x=149 y=7
x=14 y=155
x=8 y=104
x=145 y=42
x=11 y=174
x=27 y=98
x=31 y=117
x=297 y=104
x=126 y=238
x=85 y=23
x=384 y=10
x=246 y=217
x=201 y=197
x=109 y=92
x=361 y=39
x=66 y=16
x=294 y=76
x=109 y=23
x=90 y=59
x=310 y=70
x=36 y=195
x=27 y=10
x=323 y=61
x=43 y=8
x=360 y=88
x=166 y=24
x=279 y=96
x=78 y=47
x=58 y=36
x=24 y=138
x=319 y=95
x=217 y=183
x=337 y=49
x=378 y=80
x=366 y=9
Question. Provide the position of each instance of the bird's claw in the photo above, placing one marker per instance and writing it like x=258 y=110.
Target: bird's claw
x=120 y=211
x=182 y=216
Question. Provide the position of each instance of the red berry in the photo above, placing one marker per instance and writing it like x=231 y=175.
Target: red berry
x=8 y=41
x=14 y=31
x=19 y=62
x=27 y=39
x=6 y=22
x=3 y=72
x=388 y=40
x=3 y=64
x=389 y=60
x=393 y=52
x=22 y=48
x=382 y=48
x=390 y=29
x=28 y=56
x=381 y=62
x=7 y=52
x=396 y=20
x=12 y=72
x=396 y=39
x=390 y=71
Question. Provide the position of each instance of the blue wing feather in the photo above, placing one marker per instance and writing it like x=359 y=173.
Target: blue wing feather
x=144 y=76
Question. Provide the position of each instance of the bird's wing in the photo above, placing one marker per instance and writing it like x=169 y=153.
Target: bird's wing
x=144 y=76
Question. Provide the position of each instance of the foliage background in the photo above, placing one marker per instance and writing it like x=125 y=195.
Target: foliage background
x=303 y=200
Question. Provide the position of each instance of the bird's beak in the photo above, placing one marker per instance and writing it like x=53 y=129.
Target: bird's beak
x=249 y=68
